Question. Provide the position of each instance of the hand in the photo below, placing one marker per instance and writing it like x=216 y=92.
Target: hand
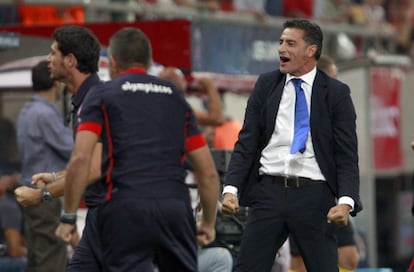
x=412 y=145
x=339 y=214
x=205 y=233
x=66 y=232
x=27 y=196
x=75 y=239
x=41 y=179
x=230 y=204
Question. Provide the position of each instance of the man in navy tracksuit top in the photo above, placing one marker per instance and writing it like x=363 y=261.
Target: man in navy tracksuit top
x=73 y=60
x=147 y=131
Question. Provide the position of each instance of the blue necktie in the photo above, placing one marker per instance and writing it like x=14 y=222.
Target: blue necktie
x=301 y=119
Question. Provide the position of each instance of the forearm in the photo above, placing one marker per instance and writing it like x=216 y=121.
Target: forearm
x=215 y=108
x=214 y=115
x=56 y=189
x=15 y=243
x=20 y=251
x=209 y=188
x=95 y=170
x=14 y=180
x=76 y=181
x=208 y=182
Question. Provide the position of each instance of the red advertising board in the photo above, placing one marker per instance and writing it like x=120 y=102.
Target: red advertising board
x=385 y=117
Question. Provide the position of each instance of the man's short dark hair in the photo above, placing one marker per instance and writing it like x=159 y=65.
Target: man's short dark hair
x=41 y=77
x=313 y=33
x=130 y=46
x=82 y=43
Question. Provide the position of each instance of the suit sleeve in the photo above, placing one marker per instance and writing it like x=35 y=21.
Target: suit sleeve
x=246 y=148
x=346 y=147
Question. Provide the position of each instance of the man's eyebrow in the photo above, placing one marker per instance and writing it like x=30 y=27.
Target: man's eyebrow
x=287 y=40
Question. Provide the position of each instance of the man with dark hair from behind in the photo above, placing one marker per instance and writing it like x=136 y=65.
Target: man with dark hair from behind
x=73 y=60
x=44 y=143
x=151 y=130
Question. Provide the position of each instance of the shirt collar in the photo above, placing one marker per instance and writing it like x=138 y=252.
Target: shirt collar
x=135 y=70
x=308 y=78
x=83 y=89
x=37 y=97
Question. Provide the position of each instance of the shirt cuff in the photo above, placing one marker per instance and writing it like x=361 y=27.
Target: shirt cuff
x=347 y=200
x=230 y=189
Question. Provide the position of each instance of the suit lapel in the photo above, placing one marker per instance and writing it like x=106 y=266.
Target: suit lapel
x=318 y=100
x=272 y=106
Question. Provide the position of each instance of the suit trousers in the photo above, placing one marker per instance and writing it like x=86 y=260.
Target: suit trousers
x=278 y=211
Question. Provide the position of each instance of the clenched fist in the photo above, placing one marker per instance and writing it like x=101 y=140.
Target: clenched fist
x=230 y=204
x=339 y=214
x=28 y=196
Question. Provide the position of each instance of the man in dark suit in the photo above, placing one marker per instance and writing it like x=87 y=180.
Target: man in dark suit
x=297 y=187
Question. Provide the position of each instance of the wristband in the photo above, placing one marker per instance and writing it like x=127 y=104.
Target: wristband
x=68 y=218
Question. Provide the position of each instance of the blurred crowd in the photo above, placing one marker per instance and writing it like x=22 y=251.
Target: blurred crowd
x=395 y=17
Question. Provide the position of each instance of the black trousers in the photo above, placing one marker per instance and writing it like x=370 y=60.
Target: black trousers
x=279 y=211
x=88 y=253
x=134 y=231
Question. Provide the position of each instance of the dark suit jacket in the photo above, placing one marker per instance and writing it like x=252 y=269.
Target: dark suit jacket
x=333 y=130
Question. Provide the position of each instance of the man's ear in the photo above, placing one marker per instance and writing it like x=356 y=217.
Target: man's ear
x=71 y=61
x=113 y=65
x=311 y=50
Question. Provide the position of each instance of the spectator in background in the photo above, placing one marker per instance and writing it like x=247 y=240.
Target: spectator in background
x=370 y=13
x=223 y=136
x=44 y=144
x=412 y=182
x=9 y=159
x=211 y=5
x=226 y=5
x=255 y=7
x=9 y=13
x=205 y=87
x=298 y=8
x=274 y=7
x=13 y=251
x=399 y=15
x=332 y=10
x=374 y=12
